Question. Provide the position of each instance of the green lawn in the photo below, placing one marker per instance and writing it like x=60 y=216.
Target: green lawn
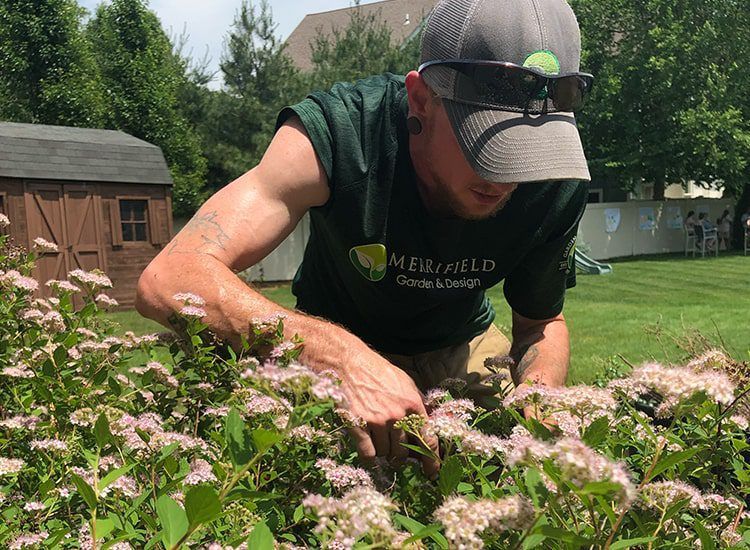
x=646 y=309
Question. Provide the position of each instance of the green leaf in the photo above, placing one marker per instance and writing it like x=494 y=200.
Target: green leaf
x=673 y=460
x=202 y=505
x=535 y=485
x=627 y=543
x=101 y=431
x=85 y=490
x=299 y=513
x=60 y=355
x=261 y=537
x=115 y=474
x=601 y=488
x=104 y=527
x=174 y=522
x=239 y=439
x=562 y=534
x=596 y=432
x=451 y=472
x=418 y=449
x=265 y=439
x=417 y=528
x=533 y=541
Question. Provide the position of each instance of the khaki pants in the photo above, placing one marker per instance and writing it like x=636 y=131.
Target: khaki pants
x=463 y=361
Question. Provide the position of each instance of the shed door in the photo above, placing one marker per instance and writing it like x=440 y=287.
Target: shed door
x=69 y=216
x=84 y=228
x=45 y=217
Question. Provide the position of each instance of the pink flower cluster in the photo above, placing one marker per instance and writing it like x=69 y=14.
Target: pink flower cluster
x=151 y=424
x=193 y=312
x=14 y=278
x=200 y=472
x=28 y=540
x=62 y=286
x=189 y=299
x=361 y=511
x=21 y=422
x=256 y=403
x=675 y=384
x=21 y=370
x=105 y=301
x=572 y=408
x=10 y=465
x=660 y=495
x=51 y=444
x=43 y=245
x=93 y=279
x=296 y=378
x=465 y=520
x=4 y=221
x=160 y=373
x=450 y=421
x=342 y=476
x=577 y=461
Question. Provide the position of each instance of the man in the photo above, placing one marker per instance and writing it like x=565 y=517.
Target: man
x=423 y=192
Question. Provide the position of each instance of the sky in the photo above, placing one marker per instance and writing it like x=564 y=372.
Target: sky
x=206 y=22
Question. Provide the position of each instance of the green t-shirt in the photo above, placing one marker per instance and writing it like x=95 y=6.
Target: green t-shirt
x=405 y=282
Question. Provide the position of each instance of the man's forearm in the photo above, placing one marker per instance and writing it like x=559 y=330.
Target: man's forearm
x=231 y=306
x=541 y=352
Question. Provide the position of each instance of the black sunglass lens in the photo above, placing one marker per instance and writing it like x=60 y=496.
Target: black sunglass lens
x=568 y=93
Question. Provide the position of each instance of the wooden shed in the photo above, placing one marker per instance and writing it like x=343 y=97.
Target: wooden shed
x=103 y=196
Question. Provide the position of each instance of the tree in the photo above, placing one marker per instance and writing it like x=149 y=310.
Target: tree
x=142 y=76
x=364 y=47
x=47 y=70
x=665 y=108
x=259 y=79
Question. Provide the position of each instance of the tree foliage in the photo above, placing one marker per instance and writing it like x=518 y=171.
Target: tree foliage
x=47 y=71
x=665 y=106
x=363 y=48
x=142 y=77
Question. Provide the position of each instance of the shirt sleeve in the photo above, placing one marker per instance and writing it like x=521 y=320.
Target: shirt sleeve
x=536 y=287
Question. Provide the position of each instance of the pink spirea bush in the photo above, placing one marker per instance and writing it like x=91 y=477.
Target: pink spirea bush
x=117 y=441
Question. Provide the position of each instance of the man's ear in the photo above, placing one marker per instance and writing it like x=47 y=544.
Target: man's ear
x=420 y=95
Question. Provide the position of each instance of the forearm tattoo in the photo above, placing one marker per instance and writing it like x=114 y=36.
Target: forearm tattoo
x=524 y=358
x=207 y=228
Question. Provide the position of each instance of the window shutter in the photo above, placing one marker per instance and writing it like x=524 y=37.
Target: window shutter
x=115 y=223
x=153 y=223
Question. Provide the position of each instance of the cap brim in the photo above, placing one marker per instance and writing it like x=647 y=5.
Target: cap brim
x=508 y=147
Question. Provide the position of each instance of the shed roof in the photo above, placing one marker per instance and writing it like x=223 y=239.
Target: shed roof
x=40 y=151
x=402 y=17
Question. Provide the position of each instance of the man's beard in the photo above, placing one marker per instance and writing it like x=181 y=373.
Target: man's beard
x=444 y=203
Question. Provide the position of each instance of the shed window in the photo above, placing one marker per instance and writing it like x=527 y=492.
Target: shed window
x=134 y=220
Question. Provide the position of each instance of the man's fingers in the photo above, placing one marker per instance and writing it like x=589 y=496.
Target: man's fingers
x=365 y=447
x=382 y=440
x=431 y=465
x=398 y=452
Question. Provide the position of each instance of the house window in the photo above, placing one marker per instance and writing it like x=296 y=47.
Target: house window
x=133 y=217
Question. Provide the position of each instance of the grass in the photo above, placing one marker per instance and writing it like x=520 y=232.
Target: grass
x=648 y=308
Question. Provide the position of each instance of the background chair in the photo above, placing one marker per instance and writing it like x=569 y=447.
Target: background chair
x=705 y=239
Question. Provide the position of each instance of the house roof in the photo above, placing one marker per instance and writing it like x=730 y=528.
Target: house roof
x=39 y=151
x=402 y=17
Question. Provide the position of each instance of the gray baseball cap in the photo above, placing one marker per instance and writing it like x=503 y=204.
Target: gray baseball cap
x=505 y=144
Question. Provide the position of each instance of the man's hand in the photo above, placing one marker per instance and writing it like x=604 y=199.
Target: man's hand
x=381 y=394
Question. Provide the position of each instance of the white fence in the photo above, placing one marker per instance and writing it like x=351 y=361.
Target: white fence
x=611 y=230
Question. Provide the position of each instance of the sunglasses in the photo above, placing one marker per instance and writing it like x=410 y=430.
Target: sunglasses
x=507 y=86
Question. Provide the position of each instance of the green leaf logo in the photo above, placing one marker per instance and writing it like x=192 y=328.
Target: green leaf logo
x=370 y=261
x=543 y=60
